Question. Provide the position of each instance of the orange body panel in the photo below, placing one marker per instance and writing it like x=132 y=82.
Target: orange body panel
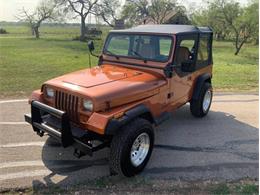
x=123 y=89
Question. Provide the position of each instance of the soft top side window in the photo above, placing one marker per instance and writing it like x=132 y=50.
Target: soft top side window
x=185 y=54
x=185 y=51
x=203 y=51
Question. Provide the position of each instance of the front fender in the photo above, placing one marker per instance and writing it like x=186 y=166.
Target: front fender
x=115 y=124
x=36 y=96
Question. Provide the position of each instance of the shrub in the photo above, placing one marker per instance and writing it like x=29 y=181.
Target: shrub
x=3 y=31
x=86 y=38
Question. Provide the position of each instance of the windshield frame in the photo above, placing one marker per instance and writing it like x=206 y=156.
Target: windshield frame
x=104 y=51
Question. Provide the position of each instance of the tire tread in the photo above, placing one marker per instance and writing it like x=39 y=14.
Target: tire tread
x=196 y=104
x=122 y=139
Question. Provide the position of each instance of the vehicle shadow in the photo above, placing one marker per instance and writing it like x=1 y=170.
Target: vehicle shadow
x=219 y=134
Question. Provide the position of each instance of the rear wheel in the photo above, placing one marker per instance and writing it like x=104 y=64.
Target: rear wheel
x=200 y=107
x=131 y=148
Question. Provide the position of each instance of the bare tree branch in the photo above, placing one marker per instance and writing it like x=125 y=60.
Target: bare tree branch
x=81 y=8
x=107 y=11
x=44 y=11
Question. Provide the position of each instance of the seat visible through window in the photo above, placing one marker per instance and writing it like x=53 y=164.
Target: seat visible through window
x=182 y=55
x=147 y=51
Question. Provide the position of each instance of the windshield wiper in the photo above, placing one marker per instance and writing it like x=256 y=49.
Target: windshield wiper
x=111 y=53
x=139 y=55
x=136 y=53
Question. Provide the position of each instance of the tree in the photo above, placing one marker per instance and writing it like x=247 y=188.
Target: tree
x=135 y=11
x=161 y=10
x=108 y=11
x=180 y=17
x=230 y=20
x=240 y=20
x=251 y=15
x=212 y=16
x=81 y=8
x=154 y=11
x=46 y=10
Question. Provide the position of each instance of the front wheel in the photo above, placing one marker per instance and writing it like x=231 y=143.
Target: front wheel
x=200 y=107
x=131 y=148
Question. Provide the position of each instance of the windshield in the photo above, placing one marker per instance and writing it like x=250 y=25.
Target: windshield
x=145 y=47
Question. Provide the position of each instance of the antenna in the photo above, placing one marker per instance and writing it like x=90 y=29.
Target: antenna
x=91 y=48
x=89 y=58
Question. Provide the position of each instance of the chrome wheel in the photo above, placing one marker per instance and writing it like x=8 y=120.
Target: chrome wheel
x=207 y=101
x=140 y=149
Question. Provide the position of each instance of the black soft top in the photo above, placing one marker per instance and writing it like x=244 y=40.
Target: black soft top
x=166 y=29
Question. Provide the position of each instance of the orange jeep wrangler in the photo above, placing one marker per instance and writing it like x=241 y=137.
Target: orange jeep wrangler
x=144 y=73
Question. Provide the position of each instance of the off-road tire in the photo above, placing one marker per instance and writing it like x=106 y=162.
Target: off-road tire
x=196 y=105
x=120 y=148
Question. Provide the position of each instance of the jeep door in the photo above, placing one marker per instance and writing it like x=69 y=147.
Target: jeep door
x=184 y=65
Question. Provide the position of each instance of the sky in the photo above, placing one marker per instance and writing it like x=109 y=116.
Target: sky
x=10 y=8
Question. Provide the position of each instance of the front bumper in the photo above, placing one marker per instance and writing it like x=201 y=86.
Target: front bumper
x=56 y=123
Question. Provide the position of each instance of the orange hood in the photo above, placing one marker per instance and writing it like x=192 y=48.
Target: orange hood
x=111 y=84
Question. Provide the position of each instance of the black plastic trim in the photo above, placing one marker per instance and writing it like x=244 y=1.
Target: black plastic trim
x=208 y=61
x=114 y=124
x=199 y=83
x=64 y=135
x=163 y=117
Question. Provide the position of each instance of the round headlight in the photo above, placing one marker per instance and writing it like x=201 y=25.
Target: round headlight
x=50 y=92
x=88 y=105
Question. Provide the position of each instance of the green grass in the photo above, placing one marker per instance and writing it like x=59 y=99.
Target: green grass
x=26 y=62
x=239 y=189
x=221 y=189
x=235 y=72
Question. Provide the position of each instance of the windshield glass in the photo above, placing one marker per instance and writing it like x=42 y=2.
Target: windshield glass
x=145 y=47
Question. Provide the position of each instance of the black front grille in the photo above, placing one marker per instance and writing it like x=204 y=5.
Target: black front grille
x=68 y=103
